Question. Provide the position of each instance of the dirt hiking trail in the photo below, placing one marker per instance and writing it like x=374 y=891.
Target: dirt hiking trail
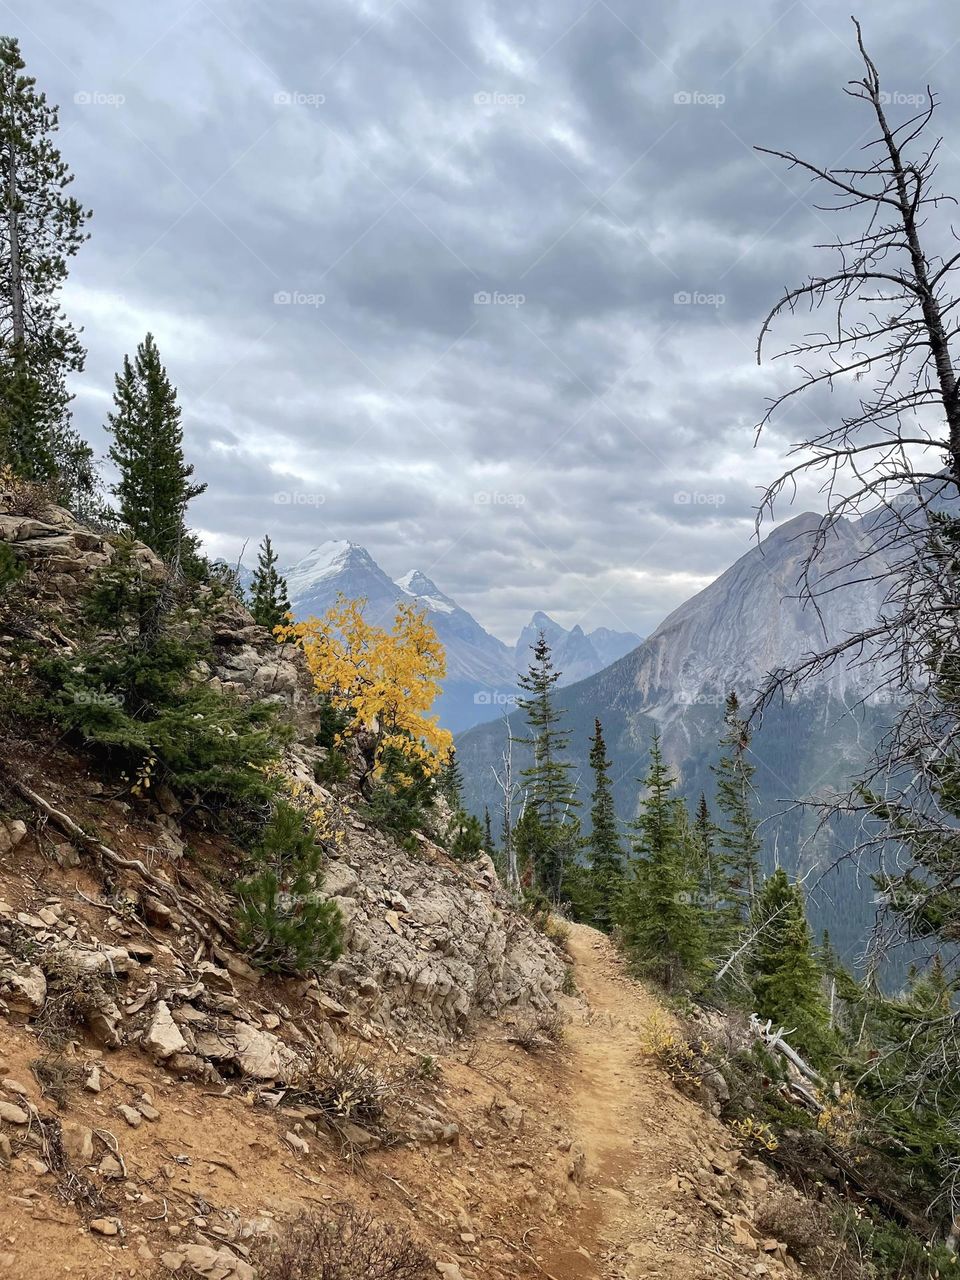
x=577 y=1163
x=664 y=1178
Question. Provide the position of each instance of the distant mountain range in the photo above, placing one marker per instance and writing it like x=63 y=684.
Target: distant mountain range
x=481 y=670
x=729 y=636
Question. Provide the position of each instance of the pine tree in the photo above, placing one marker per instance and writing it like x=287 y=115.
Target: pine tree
x=551 y=793
x=606 y=852
x=659 y=915
x=154 y=486
x=285 y=924
x=488 y=843
x=784 y=974
x=268 y=592
x=41 y=228
x=450 y=781
x=738 y=863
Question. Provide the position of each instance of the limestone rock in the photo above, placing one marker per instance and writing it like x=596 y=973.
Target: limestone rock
x=23 y=987
x=106 y=1226
x=162 y=1037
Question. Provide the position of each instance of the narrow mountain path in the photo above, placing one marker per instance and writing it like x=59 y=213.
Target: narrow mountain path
x=652 y=1156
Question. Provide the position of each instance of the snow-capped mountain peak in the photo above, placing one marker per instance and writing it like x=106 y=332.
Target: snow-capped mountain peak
x=417 y=584
x=328 y=560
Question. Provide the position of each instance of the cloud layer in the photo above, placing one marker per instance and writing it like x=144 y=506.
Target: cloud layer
x=476 y=286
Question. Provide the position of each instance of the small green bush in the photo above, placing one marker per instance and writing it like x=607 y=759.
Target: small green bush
x=333 y=767
x=285 y=925
x=467 y=842
x=333 y=722
x=133 y=691
x=401 y=797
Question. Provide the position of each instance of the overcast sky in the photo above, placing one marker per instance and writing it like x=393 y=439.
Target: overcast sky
x=307 y=200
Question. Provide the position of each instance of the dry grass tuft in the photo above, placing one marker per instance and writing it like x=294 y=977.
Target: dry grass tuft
x=347 y=1245
x=537 y=1032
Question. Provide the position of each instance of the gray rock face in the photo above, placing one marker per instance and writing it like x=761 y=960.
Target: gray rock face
x=454 y=948
x=162 y=1037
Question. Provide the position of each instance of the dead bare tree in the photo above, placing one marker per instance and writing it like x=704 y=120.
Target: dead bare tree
x=508 y=789
x=892 y=462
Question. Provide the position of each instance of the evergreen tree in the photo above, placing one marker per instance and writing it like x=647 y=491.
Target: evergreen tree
x=786 y=979
x=268 y=592
x=551 y=793
x=738 y=864
x=285 y=924
x=450 y=781
x=606 y=852
x=154 y=486
x=712 y=883
x=467 y=842
x=488 y=843
x=659 y=915
x=41 y=228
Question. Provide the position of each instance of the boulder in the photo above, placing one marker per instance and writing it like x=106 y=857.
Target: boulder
x=23 y=986
x=162 y=1037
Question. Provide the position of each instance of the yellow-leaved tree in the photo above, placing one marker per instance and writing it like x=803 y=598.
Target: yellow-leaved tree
x=384 y=681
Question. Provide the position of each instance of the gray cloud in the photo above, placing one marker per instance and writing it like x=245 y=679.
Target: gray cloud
x=589 y=449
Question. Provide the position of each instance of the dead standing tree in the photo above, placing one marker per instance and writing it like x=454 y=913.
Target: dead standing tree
x=892 y=462
x=893 y=320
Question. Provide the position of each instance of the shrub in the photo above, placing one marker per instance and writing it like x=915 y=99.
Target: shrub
x=683 y=1058
x=467 y=842
x=10 y=567
x=285 y=925
x=333 y=724
x=347 y=1245
x=401 y=796
x=895 y=1252
x=558 y=930
x=31 y=498
x=74 y=996
x=797 y=1223
x=131 y=689
x=332 y=767
x=543 y=1030
x=755 y=1134
x=345 y=1086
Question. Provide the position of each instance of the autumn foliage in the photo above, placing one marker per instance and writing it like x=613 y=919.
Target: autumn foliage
x=384 y=681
